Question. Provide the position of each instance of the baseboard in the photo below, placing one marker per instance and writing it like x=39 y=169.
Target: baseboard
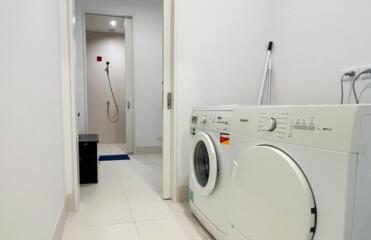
x=59 y=228
x=148 y=150
x=182 y=194
x=70 y=203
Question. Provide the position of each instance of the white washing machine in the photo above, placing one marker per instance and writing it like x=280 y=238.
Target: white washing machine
x=301 y=173
x=210 y=161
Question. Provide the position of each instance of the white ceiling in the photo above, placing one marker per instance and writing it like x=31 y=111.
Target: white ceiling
x=99 y=23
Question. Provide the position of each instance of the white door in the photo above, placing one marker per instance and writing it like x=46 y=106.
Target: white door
x=204 y=164
x=271 y=197
x=129 y=85
x=167 y=96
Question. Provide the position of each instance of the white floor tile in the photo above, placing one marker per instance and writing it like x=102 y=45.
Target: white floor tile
x=148 y=206
x=105 y=186
x=108 y=169
x=102 y=203
x=161 y=230
x=106 y=232
x=135 y=185
x=188 y=221
x=149 y=169
x=110 y=210
x=127 y=205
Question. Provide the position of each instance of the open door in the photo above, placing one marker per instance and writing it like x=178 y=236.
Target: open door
x=129 y=85
x=168 y=175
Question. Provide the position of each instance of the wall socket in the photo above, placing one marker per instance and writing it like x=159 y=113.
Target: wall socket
x=357 y=70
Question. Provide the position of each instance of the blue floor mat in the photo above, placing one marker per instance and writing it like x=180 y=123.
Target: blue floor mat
x=114 y=157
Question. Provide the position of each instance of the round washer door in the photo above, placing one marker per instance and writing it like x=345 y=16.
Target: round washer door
x=271 y=197
x=204 y=164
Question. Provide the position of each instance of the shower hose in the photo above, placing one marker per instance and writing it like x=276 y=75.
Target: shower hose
x=115 y=116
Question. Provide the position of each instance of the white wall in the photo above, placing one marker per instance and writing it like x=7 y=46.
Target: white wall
x=147 y=18
x=220 y=48
x=111 y=46
x=31 y=141
x=314 y=41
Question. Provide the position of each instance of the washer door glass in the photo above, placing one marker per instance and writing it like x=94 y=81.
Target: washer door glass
x=271 y=197
x=204 y=167
x=201 y=163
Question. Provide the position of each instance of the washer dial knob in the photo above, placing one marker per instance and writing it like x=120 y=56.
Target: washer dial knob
x=270 y=124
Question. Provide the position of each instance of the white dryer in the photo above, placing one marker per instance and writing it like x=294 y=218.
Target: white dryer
x=301 y=173
x=209 y=168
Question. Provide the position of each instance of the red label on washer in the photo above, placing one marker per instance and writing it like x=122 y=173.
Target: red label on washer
x=225 y=139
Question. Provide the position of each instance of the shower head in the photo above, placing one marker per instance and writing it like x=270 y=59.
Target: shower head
x=107 y=68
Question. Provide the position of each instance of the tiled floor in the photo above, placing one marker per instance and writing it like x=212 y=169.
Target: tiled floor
x=107 y=149
x=126 y=205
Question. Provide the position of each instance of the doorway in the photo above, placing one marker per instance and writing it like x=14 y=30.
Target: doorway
x=108 y=83
x=78 y=108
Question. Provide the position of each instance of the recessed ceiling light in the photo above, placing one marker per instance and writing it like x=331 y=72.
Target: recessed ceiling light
x=113 y=23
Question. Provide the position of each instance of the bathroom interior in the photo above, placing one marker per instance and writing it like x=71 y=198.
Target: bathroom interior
x=105 y=82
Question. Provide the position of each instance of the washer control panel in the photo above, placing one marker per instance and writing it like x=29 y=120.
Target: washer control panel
x=213 y=120
x=333 y=127
x=268 y=124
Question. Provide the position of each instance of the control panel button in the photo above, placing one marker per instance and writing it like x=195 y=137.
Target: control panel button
x=204 y=120
x=311 y=128
x=269 y=124
x=194 y=120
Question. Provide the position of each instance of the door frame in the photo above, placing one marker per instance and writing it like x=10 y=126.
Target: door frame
x=168 y=146
x=70 y=132
x=129 y=81
x=170 y=156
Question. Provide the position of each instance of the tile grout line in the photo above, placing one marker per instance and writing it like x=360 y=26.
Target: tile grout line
x=99 y=225
x=119 y=174
x=71 y=228
x=183 y=234
x=128 y=203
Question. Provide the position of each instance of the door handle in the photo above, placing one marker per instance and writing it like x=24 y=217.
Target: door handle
x=169 y=100
x=128 y=104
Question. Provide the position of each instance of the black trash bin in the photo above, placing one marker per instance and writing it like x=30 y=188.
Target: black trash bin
x=88 y=151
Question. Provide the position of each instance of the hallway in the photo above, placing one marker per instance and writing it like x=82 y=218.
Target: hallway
x=126 y=204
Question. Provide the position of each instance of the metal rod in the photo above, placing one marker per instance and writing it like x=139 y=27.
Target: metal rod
x=264 y=79
x=270 y=82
